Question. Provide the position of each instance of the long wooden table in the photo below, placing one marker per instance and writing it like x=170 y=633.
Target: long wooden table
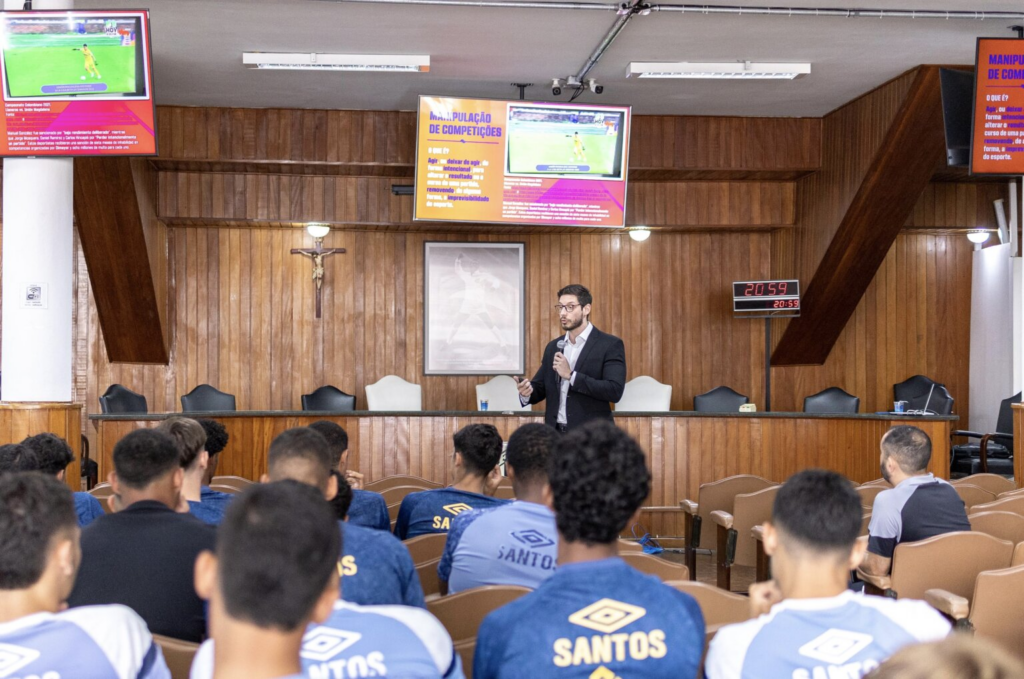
x=684 y=449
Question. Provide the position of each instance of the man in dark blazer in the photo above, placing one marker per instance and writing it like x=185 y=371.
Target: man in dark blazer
x=581 y=372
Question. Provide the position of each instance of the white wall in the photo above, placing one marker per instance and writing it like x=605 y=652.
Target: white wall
x=992 y=335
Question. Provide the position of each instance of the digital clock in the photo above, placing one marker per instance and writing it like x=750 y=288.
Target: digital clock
x=766 y=298
x=748 y=289
x=765 y=304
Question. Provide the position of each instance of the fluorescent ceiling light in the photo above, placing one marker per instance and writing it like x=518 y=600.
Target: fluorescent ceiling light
x=312 y=61
x=732 y=70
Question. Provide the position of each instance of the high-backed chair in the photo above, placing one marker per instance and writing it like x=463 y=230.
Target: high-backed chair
x=973 y=495
x=429 y=580
x=1011 y=503
x=736 y=544
x=205 y=398
x=119 y=399
x=393 y=393
x=664 y=569
x=1002 y=525
x=395 y=480
x=993 y=452
x=714 y=496
x=178 y=654
x=426 y=547
x=950 y=561
x=832 y=400
x=914 y=390
x=719 y=400
x=991 y=482
x=501 y=394
x=645 y=394
x=994 y=611
x=329 y=399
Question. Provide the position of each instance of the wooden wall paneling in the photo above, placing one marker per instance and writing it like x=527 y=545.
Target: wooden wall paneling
x=18 y=421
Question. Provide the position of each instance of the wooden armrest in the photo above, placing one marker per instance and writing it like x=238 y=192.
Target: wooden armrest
x=956 y=607
x=688 y=506
x=882 y=582
x=723 y=519
x=757 y=532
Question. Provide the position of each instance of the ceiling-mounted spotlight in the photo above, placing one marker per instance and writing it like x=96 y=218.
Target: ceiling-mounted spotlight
x=594 y=87
x=556 y=86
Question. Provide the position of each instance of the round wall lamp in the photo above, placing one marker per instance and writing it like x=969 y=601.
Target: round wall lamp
x=639 y=233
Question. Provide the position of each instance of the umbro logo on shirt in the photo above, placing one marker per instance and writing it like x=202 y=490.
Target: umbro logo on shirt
x=323 y=643
x=532 y=538
x=457 y=508
x=607 y=616
x=13 y=658
x=836 y=646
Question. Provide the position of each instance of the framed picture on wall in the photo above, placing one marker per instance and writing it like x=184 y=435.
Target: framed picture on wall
x=474 y=320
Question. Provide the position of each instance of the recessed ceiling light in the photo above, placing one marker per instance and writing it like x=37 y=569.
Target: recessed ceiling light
x=312 y=61
x=734 y=70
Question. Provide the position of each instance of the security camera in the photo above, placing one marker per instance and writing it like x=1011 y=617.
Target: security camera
x=594 y=87
x=556 y=86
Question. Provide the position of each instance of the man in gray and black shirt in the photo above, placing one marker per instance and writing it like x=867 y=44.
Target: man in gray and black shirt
x=918 y=506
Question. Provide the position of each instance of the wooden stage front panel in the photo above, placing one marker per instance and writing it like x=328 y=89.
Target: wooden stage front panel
x=18 y=421
x=683 y=450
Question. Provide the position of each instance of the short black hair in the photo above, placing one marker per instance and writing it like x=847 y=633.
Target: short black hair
x=480 y=446
x=337 y=439
x=216 y=435
x=53 y=452
x=34 y=508
x=14 y=457
x=582 y=294
x=343 y=500
x=910 y=446
x=598 y=478
x=529 y=448
x=143 y=456
x=189 y=436
x=306 y=446
x=820 y=510
x=276 y=550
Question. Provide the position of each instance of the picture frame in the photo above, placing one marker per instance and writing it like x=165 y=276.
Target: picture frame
x=474 y=308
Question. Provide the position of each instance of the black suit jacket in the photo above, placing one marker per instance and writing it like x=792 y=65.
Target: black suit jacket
x=600 y=379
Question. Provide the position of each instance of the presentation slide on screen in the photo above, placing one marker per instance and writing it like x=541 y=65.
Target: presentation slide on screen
x=76 y=84
x=997 y=143
x=521 y=162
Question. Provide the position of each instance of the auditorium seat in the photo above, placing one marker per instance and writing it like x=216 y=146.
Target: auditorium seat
x=431 y=583
x=102 y=492
x=1018 y=555
x=762 y=567
x=994 y=610
x=832 y=400
x=224 y=488
x=714 y=496
x=868 y=494
x=993 y=452
x=501 y=394
x=466 y=650
x=235 y=481
x=1009 y=493
x=178 y=654
x=951 y=562
x=398 y=493
x=664 y=569
x=736 y=545
x=719 y=400
x=204 y=399
x=914 y=390
x=329 y=399
x=718 y=606
x=505 y=491
x=1002 y=525
x=973 y=495
x=645 y=394
x=878 y=482
x=991 y=482
x=630 y=546
x=426 y=547
x=118 y=399
x=393 y=393
x=462 y=613
x=380 y=485
x=1012 y=503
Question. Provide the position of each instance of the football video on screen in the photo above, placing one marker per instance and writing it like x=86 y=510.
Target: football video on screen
x=54 y=58
x=563 y=142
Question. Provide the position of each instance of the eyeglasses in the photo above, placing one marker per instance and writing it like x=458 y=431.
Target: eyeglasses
x=567 y=307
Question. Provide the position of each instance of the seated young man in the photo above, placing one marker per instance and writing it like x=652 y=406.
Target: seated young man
x=809 y=623
x=216 y=440
x=54 y=456
x=596 y=617
x=190 y=438
x=293 y=532
x=367 y=508
x=38 y=559
x=512 y=544
x=475 y=475
x=15 y=457
x=375 y=566
x=143 y=556
x=918 y=506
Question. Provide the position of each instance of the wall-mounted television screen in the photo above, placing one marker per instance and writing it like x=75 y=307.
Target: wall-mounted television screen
x=76 y=83
x=480 y=160
x=997 y=133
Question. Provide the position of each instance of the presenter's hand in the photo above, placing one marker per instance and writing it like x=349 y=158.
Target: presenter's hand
x=764 y=595
x=524 y=386
x=562 y=366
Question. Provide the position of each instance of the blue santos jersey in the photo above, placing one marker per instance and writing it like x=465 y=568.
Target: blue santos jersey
x=377 y=569
x=88 y=509
x=92 y=642
x=513 y=544
x=369 y=509
x=848 y=635
x=593 y=620
x=432 y=511
x=368 y=641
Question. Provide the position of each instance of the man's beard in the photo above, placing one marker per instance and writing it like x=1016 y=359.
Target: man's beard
x=574 y=325
x=885 y=474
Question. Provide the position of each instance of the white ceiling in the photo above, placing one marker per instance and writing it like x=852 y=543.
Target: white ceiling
x=477 y=52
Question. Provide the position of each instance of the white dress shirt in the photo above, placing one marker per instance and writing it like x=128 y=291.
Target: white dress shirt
x=572 y=352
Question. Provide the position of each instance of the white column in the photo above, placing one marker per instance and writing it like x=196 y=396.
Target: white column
x=35 y=344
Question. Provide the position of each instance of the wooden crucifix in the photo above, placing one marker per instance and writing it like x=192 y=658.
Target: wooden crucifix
x=317 y=254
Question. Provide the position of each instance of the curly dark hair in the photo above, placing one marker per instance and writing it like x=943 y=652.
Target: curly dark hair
x=480 y=447
x=598 y=478
x=15 y=457
x=216 y=435
x=53 y=452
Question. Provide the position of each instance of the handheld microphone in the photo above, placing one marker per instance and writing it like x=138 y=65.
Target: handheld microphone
x=561 y=345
